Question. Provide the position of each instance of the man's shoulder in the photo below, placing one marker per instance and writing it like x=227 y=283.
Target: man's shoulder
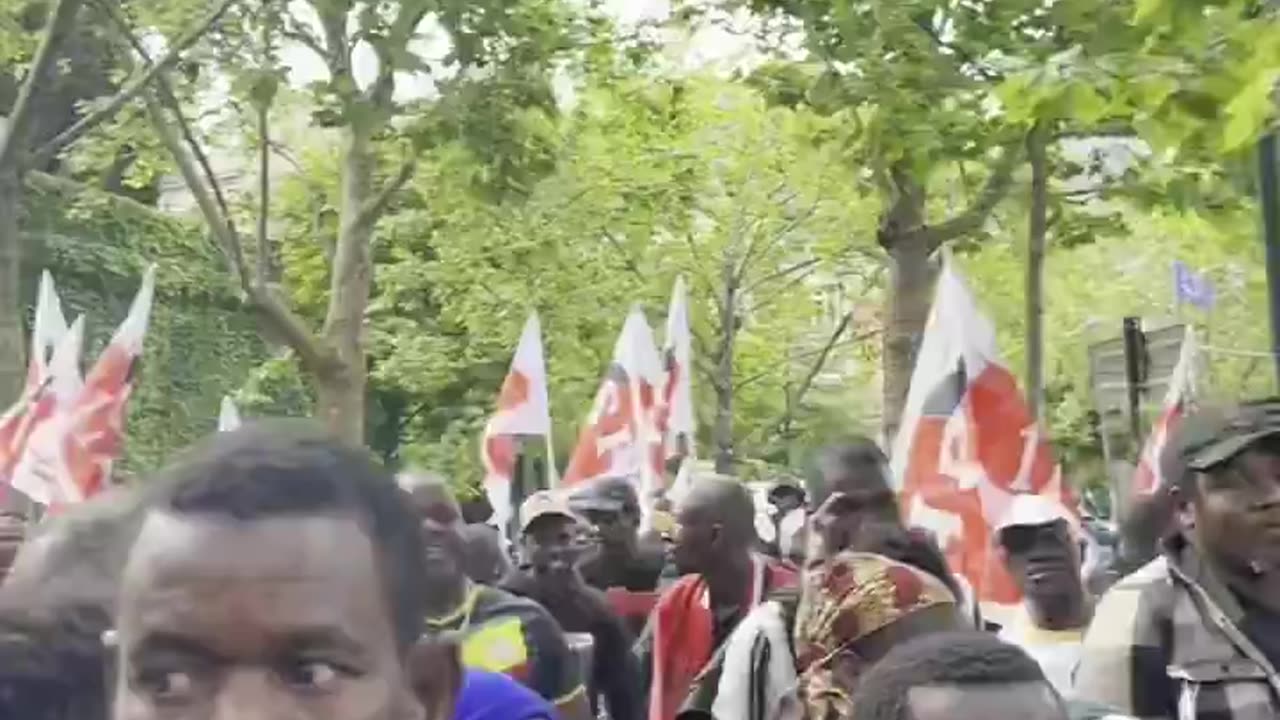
x=492 y=601
x=1135 y=607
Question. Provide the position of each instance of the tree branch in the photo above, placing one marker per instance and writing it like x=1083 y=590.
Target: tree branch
x=824 y=356
x=780 y=274
x=821 y=361
x=781 y=235
x=61 y=23
x=170 y=99
x=773 y=369
x=264 y=198
x=293 y=331
x=401 y=33
x=997 y=186
x=377 y=205
x=304 y=38
x=1119 y=130
x=133 y=89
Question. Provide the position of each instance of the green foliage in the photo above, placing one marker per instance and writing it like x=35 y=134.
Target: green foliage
x=651 y=180
x=201 y=344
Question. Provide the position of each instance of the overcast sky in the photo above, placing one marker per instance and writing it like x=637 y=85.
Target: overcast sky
x=709 y=46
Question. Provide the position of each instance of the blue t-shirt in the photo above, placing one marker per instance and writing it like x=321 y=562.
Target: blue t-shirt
x=494 y=696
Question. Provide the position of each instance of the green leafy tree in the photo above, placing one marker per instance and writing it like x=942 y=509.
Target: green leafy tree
x=492 y=83
x=654 y=179
x=24 y=146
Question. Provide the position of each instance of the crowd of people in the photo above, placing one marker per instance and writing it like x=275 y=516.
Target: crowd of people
x=272 y=573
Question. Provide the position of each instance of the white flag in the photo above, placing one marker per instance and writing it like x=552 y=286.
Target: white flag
x=1148 y=477
x=968 y=443
x=96 y=436
x=228 y=415
x=523 y=409
x=621 y=437
x=47 y=330
x=676 y=415
x=41 y=471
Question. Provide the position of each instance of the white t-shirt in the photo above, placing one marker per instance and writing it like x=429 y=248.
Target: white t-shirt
x=1057 y=651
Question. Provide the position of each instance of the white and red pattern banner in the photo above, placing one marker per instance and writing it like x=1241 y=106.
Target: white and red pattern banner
x=1148 y=476
x=72 y=430
x=676 y=420
x=968 y=443
x=621 y=437
x=524 y=410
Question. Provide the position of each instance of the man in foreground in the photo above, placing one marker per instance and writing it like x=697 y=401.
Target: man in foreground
x=1196 y=632
x=724 y=580
x=499 y=632
x=1038 y=544
x=280 y=575
x=956 y=676
x=549 y=548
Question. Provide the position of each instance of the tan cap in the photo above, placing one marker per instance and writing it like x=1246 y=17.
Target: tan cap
x=542 y=504
x=1029 y=510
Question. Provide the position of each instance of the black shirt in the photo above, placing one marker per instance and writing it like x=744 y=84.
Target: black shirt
x=638 y=573
x=582 y=609
x=1262 y=626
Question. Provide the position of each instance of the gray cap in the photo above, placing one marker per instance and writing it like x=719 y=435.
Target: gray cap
x=610 y=494
x=1213 y=435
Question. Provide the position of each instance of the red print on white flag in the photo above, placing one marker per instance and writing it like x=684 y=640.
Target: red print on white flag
x=968 y=443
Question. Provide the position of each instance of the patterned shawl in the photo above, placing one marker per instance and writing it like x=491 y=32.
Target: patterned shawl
x=846 y=598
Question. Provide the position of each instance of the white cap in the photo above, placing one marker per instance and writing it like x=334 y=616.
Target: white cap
x=1027 y=509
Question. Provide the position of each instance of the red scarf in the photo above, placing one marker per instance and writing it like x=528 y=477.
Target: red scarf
x=684 y=630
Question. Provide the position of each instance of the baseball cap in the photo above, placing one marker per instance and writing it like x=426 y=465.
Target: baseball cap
x=1215 y=434
x=544 y=503
x=610 y=494
x=785 y=487
x=1030 y=510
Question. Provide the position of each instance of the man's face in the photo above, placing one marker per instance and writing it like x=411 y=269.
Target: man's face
x=696 y=542
x=441 y=524
x=1237 y=510
x=842 y=520
x=614 y=529
x=1043 y=560
x=1013 y=701
x=786 y=502
x=551 y=546
x=866 y=492
x=276 y=618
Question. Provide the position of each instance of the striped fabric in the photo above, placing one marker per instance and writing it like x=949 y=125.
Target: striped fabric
x=1165 y=644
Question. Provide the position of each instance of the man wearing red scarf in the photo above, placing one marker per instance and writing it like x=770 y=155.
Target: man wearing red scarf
x=723 y=580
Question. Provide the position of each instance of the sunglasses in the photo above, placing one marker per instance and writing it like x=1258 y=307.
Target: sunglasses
x=1022 y=538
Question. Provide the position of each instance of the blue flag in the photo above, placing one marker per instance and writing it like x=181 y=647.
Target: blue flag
x=1192 y=288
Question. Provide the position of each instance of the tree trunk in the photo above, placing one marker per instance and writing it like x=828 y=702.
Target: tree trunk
x=911 y=276
x=1037 y=228
x=723 y=435
x=12 y=347
x=341 y=394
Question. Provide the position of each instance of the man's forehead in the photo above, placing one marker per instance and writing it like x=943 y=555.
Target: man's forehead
x=436 y=501
x=1023 y=700
x=206 y=544
x=274 y=576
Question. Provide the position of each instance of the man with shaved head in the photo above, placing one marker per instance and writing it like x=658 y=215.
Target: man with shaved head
x=499 y=632
x=724 y=579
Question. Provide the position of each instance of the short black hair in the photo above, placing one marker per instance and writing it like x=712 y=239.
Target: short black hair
x=288 y=468
x=855 y=455
x=912 y=547
x=951 y=658
x=53 y=666
x=77 y=557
